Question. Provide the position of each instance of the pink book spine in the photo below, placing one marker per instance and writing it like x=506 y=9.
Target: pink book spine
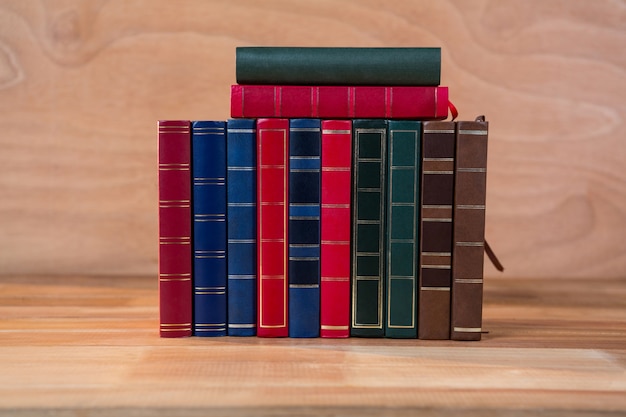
x=272 y=220
x=335 y=228
x=340 y=102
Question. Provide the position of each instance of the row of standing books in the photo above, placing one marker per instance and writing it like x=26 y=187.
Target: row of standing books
x=309 y=227
x=325 y=208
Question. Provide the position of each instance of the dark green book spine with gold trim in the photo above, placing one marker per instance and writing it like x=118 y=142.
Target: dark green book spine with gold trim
x=368 y=228
x=403 y=208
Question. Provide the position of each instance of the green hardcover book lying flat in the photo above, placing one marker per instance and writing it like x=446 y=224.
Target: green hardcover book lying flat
x=338 y=66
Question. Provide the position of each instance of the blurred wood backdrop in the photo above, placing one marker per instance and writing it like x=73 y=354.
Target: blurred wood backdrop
x=82 y=84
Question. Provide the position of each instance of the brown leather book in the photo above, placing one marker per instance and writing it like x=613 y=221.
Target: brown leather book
x=438 y=153
x=470 y=187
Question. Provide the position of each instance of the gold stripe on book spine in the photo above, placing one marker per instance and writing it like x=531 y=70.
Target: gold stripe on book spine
x=173 y=129
x=174 y=277
x=345 y=206
x=335 y=279
x=473 y=132
x=167 y=241
x=436 y=260
x=439 y=131
x=329 y=327
x=470 y=244
x=472 y=170
x=468 y=329
x=336 y=132
x=468 y=281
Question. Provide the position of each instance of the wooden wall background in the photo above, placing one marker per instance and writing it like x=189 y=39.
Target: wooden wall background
x=82 y=84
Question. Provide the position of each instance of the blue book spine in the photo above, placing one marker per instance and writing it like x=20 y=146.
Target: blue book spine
x=209 y=227
x=304 y=227
x=242 y=246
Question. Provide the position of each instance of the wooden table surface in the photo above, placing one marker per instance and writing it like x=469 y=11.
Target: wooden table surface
x=89 y=346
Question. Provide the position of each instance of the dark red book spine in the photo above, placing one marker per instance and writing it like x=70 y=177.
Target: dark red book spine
x=272 y=219
x=175 y=307
x=335 y=228
x=340 y=102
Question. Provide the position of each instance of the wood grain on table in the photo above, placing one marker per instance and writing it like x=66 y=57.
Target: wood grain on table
x=90 y=346
x=82 y=84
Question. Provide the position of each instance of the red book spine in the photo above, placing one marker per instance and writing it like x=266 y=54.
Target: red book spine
x=340 y=102
x=272 y=218
x=175 y=308
x=335 y=228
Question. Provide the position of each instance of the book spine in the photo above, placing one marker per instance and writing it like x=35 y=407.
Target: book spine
x=368 y=228
x=335 y=228
x=208 y=151
x=438 y=151
x=304 y=227
x=272 y=227
x=242 y=227
x=339 y=102
x=338 y=66
x=470 y=190
x=175 y=265
x=403 y=208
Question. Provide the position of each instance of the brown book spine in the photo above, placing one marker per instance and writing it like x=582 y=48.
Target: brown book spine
x=470 y=187
x=438 y=152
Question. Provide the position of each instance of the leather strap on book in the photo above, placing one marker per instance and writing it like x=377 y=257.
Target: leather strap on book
x=453 y=111
x=493 y=258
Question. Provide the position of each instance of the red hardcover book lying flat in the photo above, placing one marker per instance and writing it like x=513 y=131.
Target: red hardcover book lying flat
x=175 y=228
x=335 y=228
x=339 y=102
x=272 y=219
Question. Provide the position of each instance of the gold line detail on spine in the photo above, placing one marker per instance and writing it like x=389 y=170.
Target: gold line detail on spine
x=468 y=329
x=472 y=170
x=438 y=131
x=473 y=132
x=468 y=281
x=479 y=244
x=336 y=132
x=335 y=279
x=329 y=327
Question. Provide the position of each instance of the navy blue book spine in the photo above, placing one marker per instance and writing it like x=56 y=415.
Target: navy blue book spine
x=242 y=242
x=209 y=227
x=304 y=227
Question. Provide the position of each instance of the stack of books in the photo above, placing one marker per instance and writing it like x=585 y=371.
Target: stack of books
x=336 y=202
